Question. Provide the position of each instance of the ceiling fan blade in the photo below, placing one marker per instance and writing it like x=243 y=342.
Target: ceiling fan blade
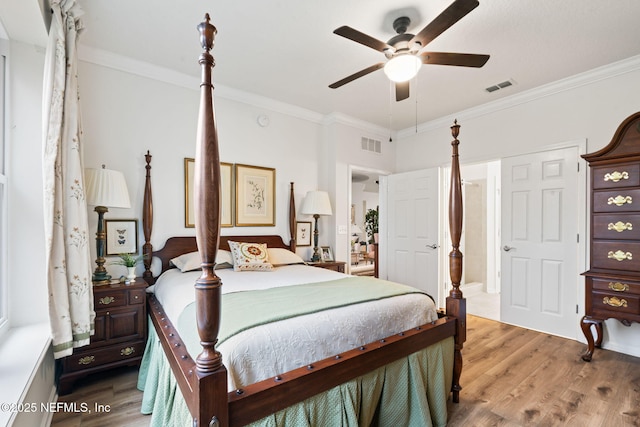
x=402 y=91
x=457 y=59
x=456 y=11
x=362 y=38
x=357 y=75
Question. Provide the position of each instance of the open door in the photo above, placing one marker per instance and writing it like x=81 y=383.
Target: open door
x=540 y=228
x=412 y=244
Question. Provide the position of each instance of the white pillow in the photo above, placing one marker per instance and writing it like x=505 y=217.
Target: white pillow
x=191 y=261
x=250 y=256
x=281 y=256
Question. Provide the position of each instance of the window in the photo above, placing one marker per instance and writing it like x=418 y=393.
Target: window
x=4 y=323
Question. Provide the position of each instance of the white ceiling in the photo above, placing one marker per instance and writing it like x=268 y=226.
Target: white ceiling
x=285 y=50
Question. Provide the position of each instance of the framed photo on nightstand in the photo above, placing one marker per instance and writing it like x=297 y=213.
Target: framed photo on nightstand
x=327 y=254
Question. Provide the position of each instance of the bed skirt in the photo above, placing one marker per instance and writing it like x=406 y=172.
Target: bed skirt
x=412 y=391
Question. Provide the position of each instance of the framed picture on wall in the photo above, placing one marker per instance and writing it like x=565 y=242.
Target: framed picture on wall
x=255 y=196
x=122 y=236
x=326 y=254
x=226 y=183
x=303 y=233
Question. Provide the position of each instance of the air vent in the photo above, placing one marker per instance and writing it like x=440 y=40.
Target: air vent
x=373 y=145
x=499 y=86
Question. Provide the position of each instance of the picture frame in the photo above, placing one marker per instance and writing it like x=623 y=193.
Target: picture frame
x=303 y=233
x=121 y=236
x=326 y=254
x=226 y=178
x=255 y=196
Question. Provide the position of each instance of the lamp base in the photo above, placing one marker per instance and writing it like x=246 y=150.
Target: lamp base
x=101 y=279
x=316 y=255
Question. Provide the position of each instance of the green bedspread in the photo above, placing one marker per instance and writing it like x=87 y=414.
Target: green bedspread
x=245 y=310
x=412 y=391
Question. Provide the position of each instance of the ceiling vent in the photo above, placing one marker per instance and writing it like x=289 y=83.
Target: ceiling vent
x=503 y=85
x=373 y=145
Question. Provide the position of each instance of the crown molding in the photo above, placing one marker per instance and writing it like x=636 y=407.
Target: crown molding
x=144 y=69
x=588 y=77
x=344 y=119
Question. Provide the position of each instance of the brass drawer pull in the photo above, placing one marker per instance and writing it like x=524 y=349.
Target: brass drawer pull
x=620 y=256
x=620 y=226
x=128 y=351
x=615 y=301
x=616 y=176
x=618 y=287
x=620 y=200
x=106 y=300
x=86 y=360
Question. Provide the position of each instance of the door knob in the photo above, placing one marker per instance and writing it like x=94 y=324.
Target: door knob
x=507 y=248
x=434 y=246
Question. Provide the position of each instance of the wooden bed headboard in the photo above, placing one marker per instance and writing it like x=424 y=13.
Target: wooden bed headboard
x=176 y=246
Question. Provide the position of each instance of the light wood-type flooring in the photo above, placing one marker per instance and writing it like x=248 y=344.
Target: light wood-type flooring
x=511 y=377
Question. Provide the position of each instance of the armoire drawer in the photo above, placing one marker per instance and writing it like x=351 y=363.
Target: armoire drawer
x=615 y=304
x=622 y=175
x=616 y=286
x=621 y=255
x=616 y=226
x=620 y=200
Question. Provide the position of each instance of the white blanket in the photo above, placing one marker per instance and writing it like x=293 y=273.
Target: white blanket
x=272 y=349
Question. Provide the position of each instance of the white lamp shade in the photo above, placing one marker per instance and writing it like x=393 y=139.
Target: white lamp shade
x=316 y=202
x=105 y=187
x=402 y=67
x=355 y=229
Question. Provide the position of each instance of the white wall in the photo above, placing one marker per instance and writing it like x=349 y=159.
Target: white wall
x=591 y=106
x=126 y=114
x=342 y=150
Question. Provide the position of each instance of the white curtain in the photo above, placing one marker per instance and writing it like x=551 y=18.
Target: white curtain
x=68 y=259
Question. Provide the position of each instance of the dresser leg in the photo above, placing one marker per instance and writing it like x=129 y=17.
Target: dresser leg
x=585 y=325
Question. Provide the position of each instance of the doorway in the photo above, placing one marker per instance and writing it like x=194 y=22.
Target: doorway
x=480 y=243
x=364 y=196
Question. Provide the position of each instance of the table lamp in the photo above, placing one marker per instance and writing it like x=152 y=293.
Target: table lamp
x=316 y=203
x=105 y=189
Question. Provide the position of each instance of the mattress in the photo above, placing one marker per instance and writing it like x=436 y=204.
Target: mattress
x=273 y=348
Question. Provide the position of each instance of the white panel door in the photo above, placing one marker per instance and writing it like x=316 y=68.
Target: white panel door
x=539 y=241
x=412 y=225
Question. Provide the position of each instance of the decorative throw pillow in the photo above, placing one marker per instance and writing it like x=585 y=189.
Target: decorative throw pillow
x=281 y=256
x=250 y=256
x=191 y=261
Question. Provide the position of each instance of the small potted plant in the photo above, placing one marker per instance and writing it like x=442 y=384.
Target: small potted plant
x=371 y=225
x=130 y=261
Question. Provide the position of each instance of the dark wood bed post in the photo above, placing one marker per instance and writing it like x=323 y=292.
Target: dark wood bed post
x=147 y=222
x=456 y=304
x=292 y=220
x=212 y=375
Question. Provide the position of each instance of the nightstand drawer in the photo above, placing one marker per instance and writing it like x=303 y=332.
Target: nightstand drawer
x=622 y=175
x=89 y=359
x=110 y=298
x=137 y=296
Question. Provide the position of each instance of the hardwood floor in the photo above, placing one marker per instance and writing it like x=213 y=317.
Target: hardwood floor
x=511 y=377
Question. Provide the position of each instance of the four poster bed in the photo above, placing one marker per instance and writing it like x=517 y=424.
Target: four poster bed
x=319 y=350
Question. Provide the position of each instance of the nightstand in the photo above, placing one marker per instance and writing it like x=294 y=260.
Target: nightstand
x=329 y=265
x=120 y=333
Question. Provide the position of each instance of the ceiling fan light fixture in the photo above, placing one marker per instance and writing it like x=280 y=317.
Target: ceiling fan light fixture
x=402 y=68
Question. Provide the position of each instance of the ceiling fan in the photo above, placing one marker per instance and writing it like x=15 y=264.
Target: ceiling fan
x=402 y=51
